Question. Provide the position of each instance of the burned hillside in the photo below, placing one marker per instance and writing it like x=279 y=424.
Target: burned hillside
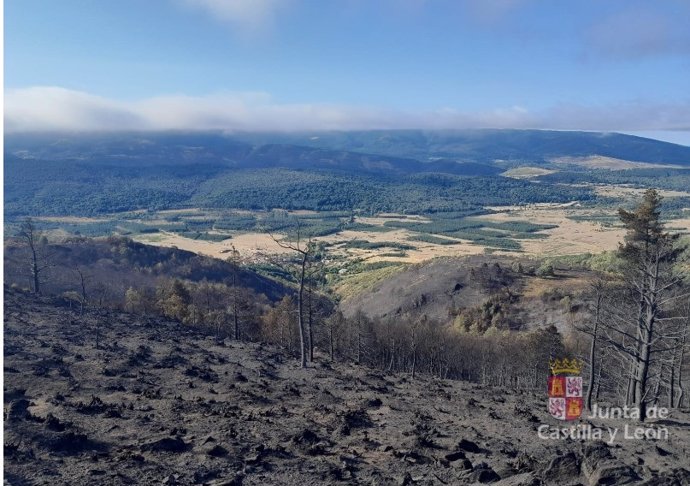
x=157 y=402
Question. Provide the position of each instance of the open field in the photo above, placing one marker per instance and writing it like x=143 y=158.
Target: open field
x=545 y=229
x=568 y=237
x=610 y=163
x=527 y=172
x=248 y=244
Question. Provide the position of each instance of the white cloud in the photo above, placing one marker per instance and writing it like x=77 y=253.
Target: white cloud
x=53 y=108
x=247 y=15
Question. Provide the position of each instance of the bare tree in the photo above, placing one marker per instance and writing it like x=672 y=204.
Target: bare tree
x=334 y=326
x=304 y=251
x=237 y=297
x=598 y=289
x=83 y=279
x=39 y=258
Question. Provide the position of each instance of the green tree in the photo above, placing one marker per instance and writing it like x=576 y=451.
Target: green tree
x=649 y=253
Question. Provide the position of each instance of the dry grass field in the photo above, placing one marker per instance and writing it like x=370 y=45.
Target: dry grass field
x=599 y=162
x=570 y=237
x=575 y=230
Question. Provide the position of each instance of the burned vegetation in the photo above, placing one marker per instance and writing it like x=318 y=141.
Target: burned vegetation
x=159 y=402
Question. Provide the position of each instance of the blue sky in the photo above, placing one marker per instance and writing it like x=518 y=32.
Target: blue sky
x=615 y=65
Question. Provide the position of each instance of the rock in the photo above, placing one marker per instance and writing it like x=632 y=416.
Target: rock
x=240 y=377
x=469 y=446
x=55 y=424
x=662 y=452
x=374 y=403
x=170 y=480
x=166 y=444
x=306 y=437
x=318 y=449
x=562 y=469
x=217 y=451
x=235 y=480
x=455 y=456
x=482 y=473
x=614 y=473
x=523 y=479
x=406 y=480
x=601 y=468
x=524 y=463
x=70 y=442
x=356 y=419
x=675 y=477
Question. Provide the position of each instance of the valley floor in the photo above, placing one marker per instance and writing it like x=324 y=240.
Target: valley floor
x=157 y=403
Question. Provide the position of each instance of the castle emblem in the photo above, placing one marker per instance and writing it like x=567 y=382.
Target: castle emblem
x=565 y=389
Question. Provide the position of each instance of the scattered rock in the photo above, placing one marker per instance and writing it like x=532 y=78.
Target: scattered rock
x=217 y=451
x=469 y=446
x=455 y=456
x=662 y=452
x=356 y=419
x=166 y=444
x=562 y=469
x=305 y=437
x=55 y=424
x=374 y=403
x=406 y=480
x=70 y=442
x=234 y=480
x=601 y=468
x=482 y=473
x=523 y=479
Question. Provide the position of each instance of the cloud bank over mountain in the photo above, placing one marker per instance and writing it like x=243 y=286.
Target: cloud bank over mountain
x=53 y=108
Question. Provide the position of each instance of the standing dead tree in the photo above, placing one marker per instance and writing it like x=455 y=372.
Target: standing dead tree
x=304 y=251
x=598 y=291
x=39 y=256
x=238 y=297
x=83 y=280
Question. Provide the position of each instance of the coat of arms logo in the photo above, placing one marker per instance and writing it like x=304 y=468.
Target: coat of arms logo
x=565 y=389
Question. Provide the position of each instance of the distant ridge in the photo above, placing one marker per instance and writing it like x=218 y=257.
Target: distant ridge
x=377 y=150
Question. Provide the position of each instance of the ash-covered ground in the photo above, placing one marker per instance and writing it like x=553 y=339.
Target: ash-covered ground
x=158 y=403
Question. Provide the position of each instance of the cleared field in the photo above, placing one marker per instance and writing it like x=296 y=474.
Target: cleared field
x=527 y=172
x=248 y=244
x=599 y=162
x=568 y=238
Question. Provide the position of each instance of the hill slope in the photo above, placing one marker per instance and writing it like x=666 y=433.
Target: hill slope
x=487 y=146
x=160 y=404
x=119 y=263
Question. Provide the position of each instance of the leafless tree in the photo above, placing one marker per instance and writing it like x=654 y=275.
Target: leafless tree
x=40 y=257
x=304 y=250
x=598 y=290
x=83 y=279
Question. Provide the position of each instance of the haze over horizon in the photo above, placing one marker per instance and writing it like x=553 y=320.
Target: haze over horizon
x=285 y=65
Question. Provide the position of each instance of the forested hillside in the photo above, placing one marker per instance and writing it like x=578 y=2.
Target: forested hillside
x=395 y=171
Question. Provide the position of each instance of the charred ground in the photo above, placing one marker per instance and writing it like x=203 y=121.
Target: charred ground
x=159 y=403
